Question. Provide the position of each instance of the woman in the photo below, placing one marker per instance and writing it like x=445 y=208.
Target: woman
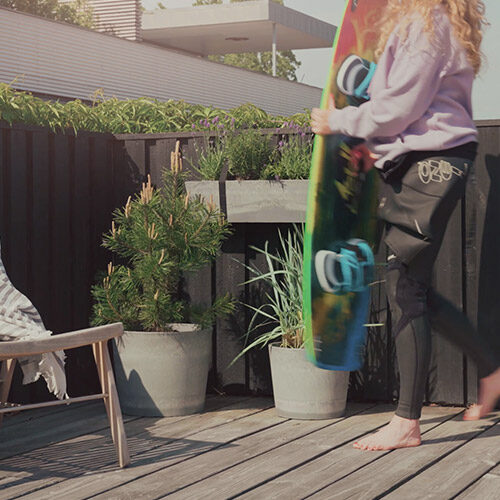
x=419 y=128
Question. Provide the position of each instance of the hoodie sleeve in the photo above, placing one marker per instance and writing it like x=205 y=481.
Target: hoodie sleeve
x=413 y=80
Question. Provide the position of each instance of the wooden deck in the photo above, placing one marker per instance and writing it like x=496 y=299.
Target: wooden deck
x=240 y=448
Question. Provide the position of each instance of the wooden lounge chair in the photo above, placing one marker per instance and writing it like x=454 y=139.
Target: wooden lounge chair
x=97 y=337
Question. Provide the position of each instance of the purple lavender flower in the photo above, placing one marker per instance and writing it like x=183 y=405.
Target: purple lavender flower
x=215 y=120
x=206 y=123
x=281 y=144
x=193 y=126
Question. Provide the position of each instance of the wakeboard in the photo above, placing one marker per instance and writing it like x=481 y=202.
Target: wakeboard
x=341 y=226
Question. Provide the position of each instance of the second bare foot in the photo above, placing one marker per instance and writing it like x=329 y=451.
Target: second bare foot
x=489 y=393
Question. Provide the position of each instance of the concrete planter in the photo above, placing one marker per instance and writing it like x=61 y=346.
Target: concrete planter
x=304 y=391
x=207 y=189
x=163 y=373
x=256 y=201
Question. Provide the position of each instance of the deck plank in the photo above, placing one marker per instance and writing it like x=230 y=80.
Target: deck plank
x=455 y=472
x=224 y=458
x=258 y=470
x=394 y=468
x=339 y=462
x=486 y=488
x=12 y=420
x=52 y=428
x=149 y=440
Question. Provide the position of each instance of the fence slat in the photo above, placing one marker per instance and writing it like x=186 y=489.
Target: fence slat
x=136 y=159
x=80 y=223
x=198 y=286
x=230 y=274
x=61 y=233
x=42 y=279
x=15 y=242
x=446 y=372
x=471 y=275
x=159 y=158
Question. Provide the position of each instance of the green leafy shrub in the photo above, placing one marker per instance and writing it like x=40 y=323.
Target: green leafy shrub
x=248 y=115
x=291 y=159
x=79 y=12
x=248 y=154
x=159 y=234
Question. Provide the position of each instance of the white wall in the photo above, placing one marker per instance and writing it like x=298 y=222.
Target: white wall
x=119 y=17
x=68 y=61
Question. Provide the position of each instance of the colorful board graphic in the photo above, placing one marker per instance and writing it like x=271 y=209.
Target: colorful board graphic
x=342 y=203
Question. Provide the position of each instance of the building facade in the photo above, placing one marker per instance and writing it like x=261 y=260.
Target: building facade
x=54 y=59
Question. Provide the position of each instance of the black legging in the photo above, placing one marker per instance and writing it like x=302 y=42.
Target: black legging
x=417 y=206
x=415 y=308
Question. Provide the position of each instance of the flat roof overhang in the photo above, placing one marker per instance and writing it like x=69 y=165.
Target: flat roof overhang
x=235 y=28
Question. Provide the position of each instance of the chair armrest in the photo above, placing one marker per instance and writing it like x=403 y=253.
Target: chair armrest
x=71 y=340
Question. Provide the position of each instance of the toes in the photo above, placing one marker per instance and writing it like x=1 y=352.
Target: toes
x=360 y=445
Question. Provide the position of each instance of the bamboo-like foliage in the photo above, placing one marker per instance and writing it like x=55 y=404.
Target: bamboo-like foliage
x=159 y=234
x=143 y=115
x=279 y=318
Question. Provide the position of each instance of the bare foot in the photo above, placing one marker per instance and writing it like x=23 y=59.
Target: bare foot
x=489 y=393
x=398 y=433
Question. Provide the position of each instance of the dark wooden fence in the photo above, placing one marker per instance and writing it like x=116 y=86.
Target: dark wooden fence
x=58 y=192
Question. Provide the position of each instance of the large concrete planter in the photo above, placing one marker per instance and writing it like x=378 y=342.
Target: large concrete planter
x=304 y=391
x=256 y=201
x=163 y=373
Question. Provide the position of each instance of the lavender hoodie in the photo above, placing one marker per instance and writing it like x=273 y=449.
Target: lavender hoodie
x=420 y=96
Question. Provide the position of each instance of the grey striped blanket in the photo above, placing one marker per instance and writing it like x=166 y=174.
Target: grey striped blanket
x=19 y=320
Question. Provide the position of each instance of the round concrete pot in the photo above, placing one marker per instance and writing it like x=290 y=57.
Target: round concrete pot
x=163 y=373
x=304 y=391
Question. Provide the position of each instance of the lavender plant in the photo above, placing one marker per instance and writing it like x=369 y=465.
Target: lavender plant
x=211 y=155
x=292 y=158
x=248 y=154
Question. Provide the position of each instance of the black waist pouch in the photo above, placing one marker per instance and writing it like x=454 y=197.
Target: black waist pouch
x=394 y=170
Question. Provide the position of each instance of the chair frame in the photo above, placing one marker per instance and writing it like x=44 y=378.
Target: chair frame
x=98 y=338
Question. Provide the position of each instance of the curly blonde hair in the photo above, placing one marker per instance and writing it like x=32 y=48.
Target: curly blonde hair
x=466 y=17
